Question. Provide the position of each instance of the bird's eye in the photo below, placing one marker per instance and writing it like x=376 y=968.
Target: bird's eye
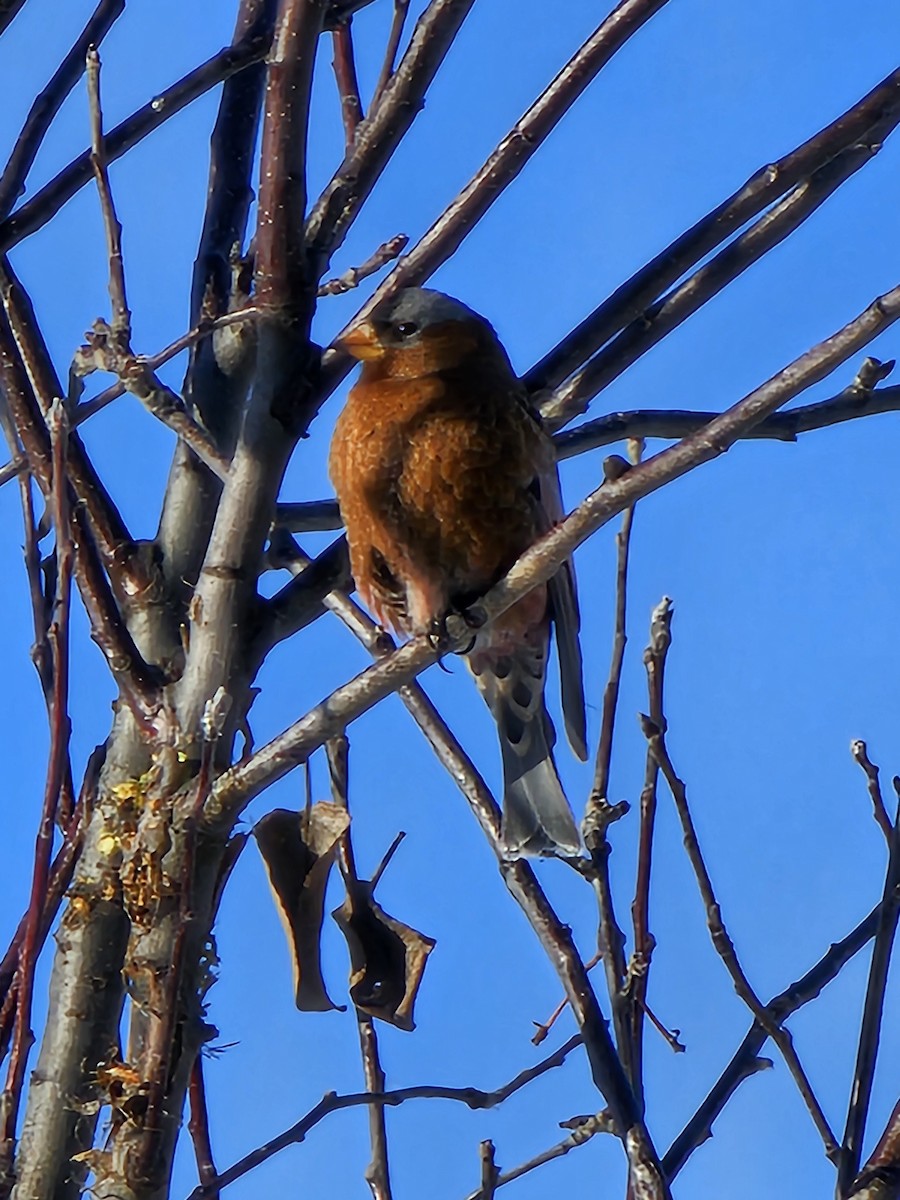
x=405 y=329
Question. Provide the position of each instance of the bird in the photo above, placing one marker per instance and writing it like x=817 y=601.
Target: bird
x=444 y=476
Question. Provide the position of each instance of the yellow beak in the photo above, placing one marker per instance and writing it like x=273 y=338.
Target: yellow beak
x=362 y=342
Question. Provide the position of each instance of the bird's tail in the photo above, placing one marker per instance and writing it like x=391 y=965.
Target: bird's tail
x=537 y=818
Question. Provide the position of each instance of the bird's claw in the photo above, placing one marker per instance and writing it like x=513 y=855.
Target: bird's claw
x=447 y=629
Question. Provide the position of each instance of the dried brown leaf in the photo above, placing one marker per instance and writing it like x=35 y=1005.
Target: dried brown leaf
x=387 y=958
x=298 y=850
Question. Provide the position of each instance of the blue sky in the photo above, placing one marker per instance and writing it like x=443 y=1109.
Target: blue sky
x=781 y=560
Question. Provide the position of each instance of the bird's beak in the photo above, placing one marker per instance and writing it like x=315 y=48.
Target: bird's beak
x=362 y=342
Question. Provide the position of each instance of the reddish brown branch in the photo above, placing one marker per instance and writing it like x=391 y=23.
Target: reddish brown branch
x=60 y=726
x=198 y=1128
x=401 y=8
x=344 y=66
x=138 y=683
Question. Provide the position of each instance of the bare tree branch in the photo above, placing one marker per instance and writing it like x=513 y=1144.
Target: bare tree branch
x=8 y=11
x=473 y=1098
x=644 y=943
x=44 y=205
x=762 y=189
x=745 y=1061
x=848 y=405
x=401 y=8
x=344 y=66
x=873 y=1009
x=198 y=1127
x=860 y=753
x=724 y=945
x=572 y=397
x=380 y=133
x=48 y=102
x=60 y=727
x=504 y=164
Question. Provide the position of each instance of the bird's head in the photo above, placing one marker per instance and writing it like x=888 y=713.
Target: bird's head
x=422 y=332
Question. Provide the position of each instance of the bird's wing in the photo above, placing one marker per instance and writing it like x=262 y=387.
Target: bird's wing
x=567 y=623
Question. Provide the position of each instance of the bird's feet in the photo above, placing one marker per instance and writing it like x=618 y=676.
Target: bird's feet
x=447 y=629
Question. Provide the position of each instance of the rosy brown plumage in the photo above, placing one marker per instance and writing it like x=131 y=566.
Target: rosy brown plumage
x=444 y=477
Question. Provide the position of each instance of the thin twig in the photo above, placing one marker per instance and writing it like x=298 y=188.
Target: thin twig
x=47 y=202
x=745 y=1061
x=543 y=1028
x=344 y=66
x=583 y=1129
x=489 y=1172
x=463 y=214
x=385 y=253
x=723 y=943
x=152 y=362
x=644 y=942
x=60 y=726
x=860 y=753
x=473 y=1098
x=849 y=405
x=121 y=316
x=873 y=1011
x=401 y=8
x=573 y=396
x=763 y=188
x=198 y=1127
x=603 y=763
x=49 y=101
x=377 y=1173
x=601 y=814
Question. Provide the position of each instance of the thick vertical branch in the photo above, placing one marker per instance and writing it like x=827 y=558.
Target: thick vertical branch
x=164 y=956
x=279 y=405
x=216 y=385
